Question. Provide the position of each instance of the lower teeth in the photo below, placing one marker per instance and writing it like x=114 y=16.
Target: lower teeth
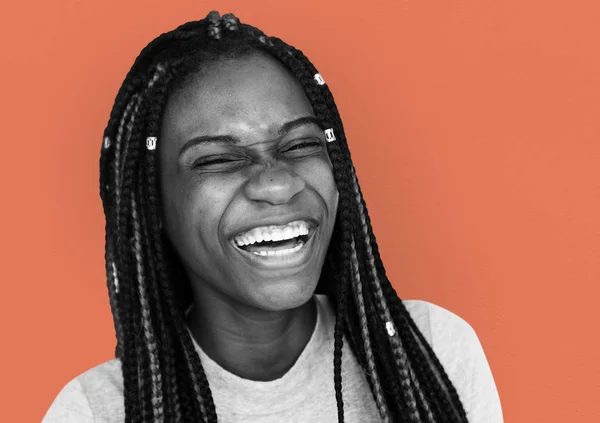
x=279 y=252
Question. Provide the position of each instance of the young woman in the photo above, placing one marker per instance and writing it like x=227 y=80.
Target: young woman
x=244 y=277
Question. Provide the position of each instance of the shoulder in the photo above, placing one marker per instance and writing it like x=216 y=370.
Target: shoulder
x=460 y=352
x=92 y=397
x=442 y=328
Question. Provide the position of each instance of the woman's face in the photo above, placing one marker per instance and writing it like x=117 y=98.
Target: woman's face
x=248 y=190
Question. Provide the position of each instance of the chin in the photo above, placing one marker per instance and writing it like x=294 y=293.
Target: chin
x=284 y=296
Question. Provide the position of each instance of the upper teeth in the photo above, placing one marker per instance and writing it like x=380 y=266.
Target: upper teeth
x=272 y=233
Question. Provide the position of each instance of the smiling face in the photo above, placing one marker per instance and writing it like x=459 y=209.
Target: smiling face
x=248 y=192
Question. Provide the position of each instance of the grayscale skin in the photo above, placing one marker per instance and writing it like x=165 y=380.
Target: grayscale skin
x=260 y=161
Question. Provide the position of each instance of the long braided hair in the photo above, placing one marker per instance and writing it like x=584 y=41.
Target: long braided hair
x=163 y=377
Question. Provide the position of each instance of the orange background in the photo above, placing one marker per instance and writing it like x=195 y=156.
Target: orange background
x=474 y=126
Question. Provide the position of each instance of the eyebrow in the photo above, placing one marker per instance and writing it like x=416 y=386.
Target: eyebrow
x=230 y=139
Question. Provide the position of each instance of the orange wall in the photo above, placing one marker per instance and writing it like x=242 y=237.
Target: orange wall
x=474 y=128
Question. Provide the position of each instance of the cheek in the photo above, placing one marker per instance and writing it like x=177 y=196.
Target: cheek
x=318 y=173
x=195 y=206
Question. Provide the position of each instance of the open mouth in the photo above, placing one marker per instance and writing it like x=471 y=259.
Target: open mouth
x=273 y=241
x=276 y=248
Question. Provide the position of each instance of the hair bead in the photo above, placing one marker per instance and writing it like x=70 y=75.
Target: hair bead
x=389 y=326
x=319 y=79
x=329 y=135
x=106 y=143
x=116 y=278
x=151 y=143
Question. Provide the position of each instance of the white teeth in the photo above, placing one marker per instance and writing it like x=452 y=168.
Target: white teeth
x=258 y=237
x=288 y=233
x=279 y=252
x=273 y=233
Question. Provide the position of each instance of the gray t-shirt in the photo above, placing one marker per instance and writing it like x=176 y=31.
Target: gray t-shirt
x=306 y=392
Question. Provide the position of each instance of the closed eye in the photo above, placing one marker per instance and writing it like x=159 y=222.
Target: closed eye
x=303 y=147
x=218 y=163
x=213 y=162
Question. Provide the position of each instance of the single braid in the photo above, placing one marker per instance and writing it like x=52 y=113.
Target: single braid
x=156 y=377
x=142 y=349
x=171 y=394
x=130 y=307
x=338 y=340
x=126 y=121
x=377 y=389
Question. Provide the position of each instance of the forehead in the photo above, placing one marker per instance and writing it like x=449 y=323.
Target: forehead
x=249 y=97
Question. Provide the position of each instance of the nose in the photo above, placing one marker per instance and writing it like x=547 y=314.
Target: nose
x=275 y=185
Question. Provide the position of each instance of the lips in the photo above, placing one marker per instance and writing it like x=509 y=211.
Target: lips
x=286 y=254
x=294 y=261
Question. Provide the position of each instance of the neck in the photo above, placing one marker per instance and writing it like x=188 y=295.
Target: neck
x=248 y=342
